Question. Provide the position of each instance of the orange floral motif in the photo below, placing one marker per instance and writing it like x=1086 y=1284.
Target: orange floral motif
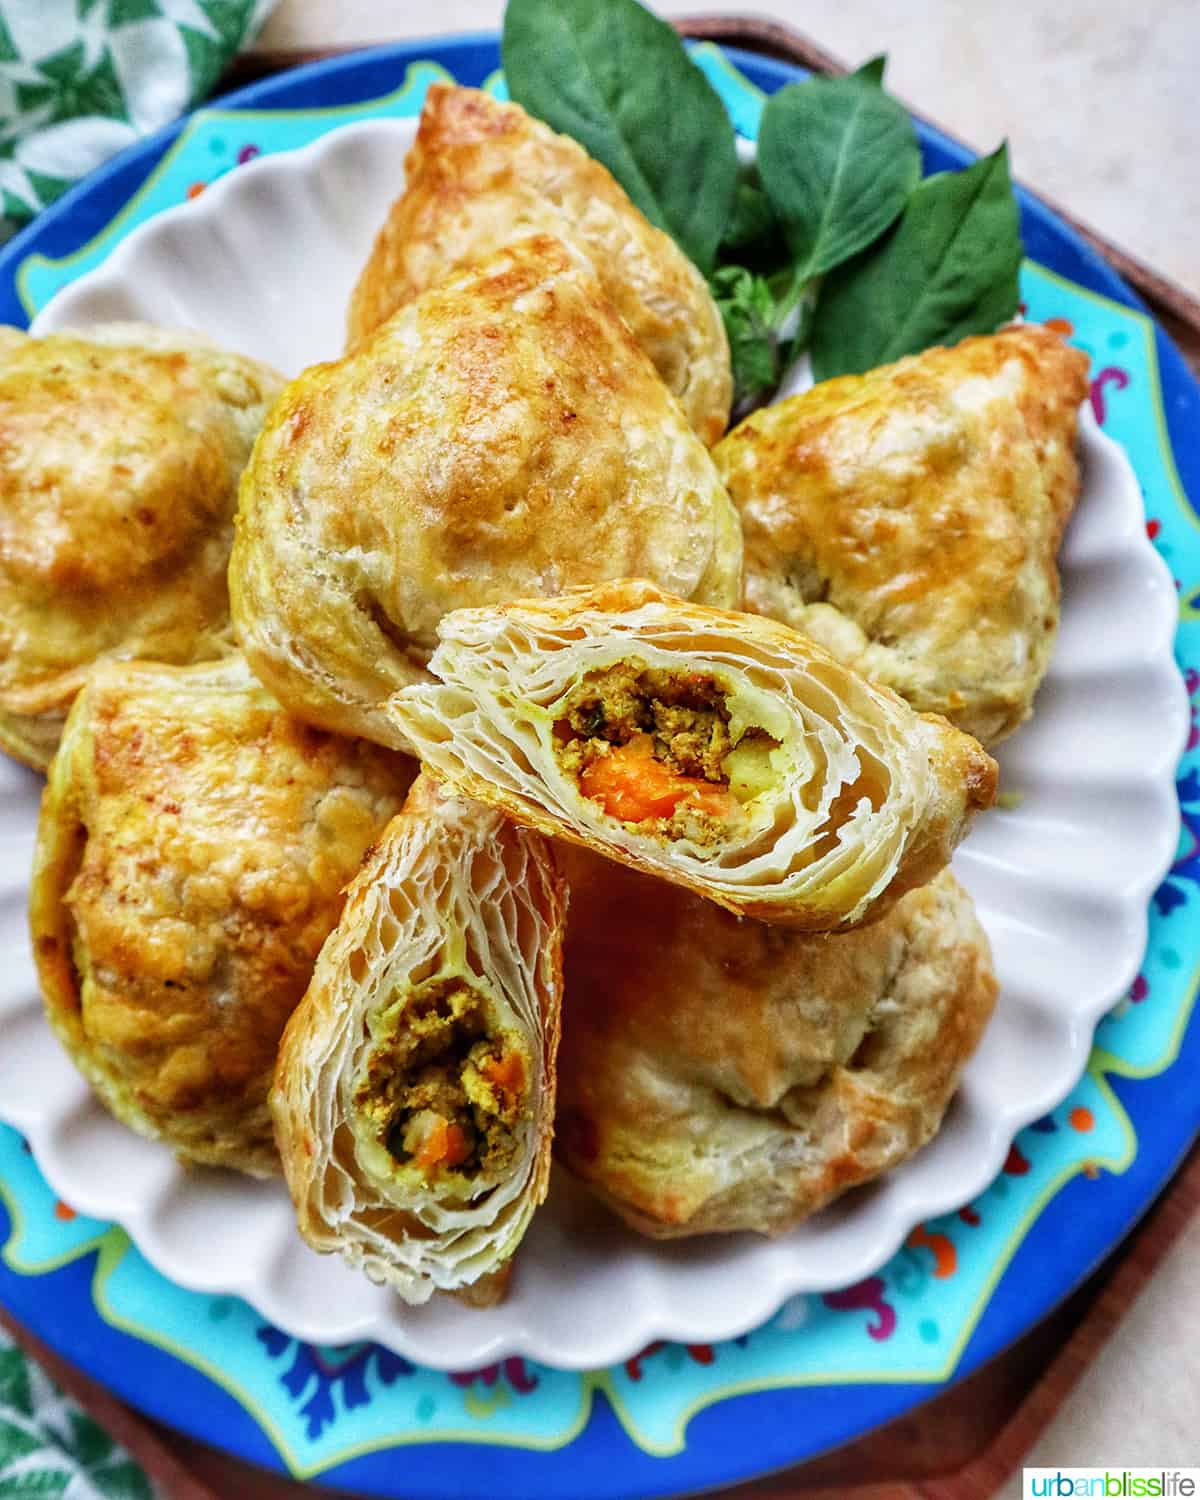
x=945 y=1256
x=700 y=1354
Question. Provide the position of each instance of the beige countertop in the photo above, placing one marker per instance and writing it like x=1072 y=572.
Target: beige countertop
x=1100 y=100
x=1138 y=1406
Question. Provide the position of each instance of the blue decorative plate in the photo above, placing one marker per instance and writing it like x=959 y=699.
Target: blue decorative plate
x=824 y=1369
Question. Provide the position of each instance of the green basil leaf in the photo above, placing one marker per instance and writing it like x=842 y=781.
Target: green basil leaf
x=872 y=70
x=753 y=237
x=948 y=269
x=838 y=158
x=752 y=220
x=754 y=358
x=619 y=81
x=738 y=285
x=748 y=309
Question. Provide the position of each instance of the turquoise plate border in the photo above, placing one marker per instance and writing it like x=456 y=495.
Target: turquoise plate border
x=824 y=1368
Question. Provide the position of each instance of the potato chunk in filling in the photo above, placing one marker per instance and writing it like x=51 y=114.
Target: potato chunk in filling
x=654 y=748
x=445 y=1090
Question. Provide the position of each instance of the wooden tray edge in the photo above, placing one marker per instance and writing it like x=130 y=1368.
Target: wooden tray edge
x=1177 y=309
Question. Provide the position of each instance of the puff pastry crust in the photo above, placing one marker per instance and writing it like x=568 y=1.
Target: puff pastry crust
x=501 y=436
x=720 y=751
x=414 y=1095
x=120 y=451
x=191 y=854
x=910 y=518
x=718 y=1074
x=480 y=174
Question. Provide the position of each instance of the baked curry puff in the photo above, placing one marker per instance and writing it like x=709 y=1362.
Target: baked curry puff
x=120 y=452
x=501 y=436
x=481 y=174
x=414 y=1097
x=193 y=846
x=720 y=751
x=718 y=1074
x=910 y=518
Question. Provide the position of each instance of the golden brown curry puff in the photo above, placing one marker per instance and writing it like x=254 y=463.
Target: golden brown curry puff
x=910 y=518
x=717 y=1074
x=501 y=436
x=414 y=1097
x=721 y=751
x=481 y=174
x=191 y=854
x=120 y=451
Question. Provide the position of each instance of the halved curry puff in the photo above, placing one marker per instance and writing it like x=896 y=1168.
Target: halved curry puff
x=720 y=751
x=719 y=1075
x=414 y=1095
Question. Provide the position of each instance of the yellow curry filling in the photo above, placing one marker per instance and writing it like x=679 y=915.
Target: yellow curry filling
x=444 y=1091
x=658 y=749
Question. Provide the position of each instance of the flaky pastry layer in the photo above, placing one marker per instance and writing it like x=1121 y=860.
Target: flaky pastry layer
x=910 y=518
x=414 y=1094
x=480 y=174
x=120 y=453
x=191 y=853
x=500 y=436
x=827 y=796
x=720 y=1075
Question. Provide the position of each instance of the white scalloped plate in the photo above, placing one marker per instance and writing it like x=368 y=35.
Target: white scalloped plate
x=263 y=261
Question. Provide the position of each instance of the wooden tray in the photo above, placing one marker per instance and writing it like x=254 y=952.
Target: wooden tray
x=1177 y=310
x=961 y=1445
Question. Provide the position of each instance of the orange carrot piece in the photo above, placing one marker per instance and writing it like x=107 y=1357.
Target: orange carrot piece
x=631 y=785
x=445 y=1146
x=705 y=797
x=507 y=1072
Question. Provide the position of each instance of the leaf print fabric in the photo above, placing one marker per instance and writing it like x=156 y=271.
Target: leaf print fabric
x=50 y=1447
x=82 y=79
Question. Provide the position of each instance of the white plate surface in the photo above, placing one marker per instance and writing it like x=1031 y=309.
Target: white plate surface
x=263 y=261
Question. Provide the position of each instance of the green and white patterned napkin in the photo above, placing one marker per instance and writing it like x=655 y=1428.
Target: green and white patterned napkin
x=79 y=81
x=50 y=1447
x=82 y=79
